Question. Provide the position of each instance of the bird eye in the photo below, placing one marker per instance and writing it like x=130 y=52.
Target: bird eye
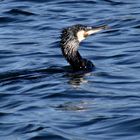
x=89 y=28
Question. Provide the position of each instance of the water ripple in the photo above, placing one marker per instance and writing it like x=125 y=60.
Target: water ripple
x=41 y=98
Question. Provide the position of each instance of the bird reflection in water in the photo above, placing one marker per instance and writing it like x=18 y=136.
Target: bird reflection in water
x=76 y=80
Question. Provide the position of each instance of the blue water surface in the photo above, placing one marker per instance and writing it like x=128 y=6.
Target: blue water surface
x=41 y=101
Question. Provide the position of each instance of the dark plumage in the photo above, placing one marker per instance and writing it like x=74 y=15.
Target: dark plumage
x=70 y=39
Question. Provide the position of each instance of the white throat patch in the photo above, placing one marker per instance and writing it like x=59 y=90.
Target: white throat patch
x=80 y=35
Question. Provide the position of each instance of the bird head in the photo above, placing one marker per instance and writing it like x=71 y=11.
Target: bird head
x=82 y=31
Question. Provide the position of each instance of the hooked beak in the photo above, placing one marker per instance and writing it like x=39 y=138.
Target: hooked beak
x=95 y=30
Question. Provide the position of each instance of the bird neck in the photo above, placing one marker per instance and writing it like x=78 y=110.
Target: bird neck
x=70 y=52
x=69 y=46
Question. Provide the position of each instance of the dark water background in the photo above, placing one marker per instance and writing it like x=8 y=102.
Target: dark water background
x=39 y=101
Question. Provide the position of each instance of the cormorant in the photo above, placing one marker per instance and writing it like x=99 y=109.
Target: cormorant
x=70 y=39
